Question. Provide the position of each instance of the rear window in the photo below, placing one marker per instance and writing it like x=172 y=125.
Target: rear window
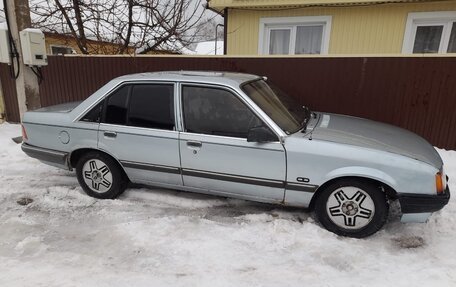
x=141 y=105
x=116 y=107
x=94 y=115
x=152 y=106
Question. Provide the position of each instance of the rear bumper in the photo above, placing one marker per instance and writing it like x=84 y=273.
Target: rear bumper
x=50 y=156
x=423 y=203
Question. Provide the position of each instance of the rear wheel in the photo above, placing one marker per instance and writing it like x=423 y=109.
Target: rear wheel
x=352 y=208
x=100 y=176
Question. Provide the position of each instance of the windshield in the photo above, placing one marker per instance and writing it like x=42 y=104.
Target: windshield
x=281 y=108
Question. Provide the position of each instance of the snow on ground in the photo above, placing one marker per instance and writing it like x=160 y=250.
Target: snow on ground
x=156 y=237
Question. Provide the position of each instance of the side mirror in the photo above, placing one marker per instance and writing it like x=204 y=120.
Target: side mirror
x=261 y=134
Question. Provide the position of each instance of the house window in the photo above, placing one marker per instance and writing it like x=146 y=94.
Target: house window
x=61 y=50
x=430 y=32
x=294 y=35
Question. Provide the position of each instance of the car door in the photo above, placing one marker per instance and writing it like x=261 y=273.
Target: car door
x=138 y=129
x=215 y=154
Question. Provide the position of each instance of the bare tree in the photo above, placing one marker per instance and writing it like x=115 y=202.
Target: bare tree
x=128 y=25
x=207 y=30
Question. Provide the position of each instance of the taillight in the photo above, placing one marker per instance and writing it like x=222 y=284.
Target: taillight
x=24 y=133
x=440 y=182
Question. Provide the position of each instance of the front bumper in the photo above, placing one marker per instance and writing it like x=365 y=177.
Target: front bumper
x=423 y=203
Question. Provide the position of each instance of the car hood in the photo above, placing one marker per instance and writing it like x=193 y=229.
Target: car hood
x=375 y=135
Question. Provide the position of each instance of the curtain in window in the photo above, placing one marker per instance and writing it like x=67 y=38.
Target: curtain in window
x=308 y=39
x=452 y=43
x=427 y=39
x=279 y=41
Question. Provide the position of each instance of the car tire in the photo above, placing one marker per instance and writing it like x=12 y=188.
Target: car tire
x=352 y=208
x=100 y=176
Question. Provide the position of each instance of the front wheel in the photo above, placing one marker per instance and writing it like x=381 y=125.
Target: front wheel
x=100 y=176
x=352 y=208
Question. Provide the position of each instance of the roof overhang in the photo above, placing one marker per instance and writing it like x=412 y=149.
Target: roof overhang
x=265 y=4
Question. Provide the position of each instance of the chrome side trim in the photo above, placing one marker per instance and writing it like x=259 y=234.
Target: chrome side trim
x=301 y=187
x=221 y=176
x=151 y=167
x=234 y=178
x=242 y=142
x=137 y=131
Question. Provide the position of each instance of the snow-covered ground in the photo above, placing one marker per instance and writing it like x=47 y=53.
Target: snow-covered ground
x=205 y=48
x=155 y=237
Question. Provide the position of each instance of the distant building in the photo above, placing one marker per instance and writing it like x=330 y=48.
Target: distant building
x=61 y=44
x=290 y=27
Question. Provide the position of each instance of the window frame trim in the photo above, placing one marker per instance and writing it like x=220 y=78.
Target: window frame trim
x=105 y=105
x=225 y=88
x=130 y=95
x=178 y=105
x=416 y=19
x=119 y=86
x=90 y=109
x=291 y=43
x=293 y=22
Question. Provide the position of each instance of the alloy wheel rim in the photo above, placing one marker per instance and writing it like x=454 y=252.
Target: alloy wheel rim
x=350 y=207
x=97 y=175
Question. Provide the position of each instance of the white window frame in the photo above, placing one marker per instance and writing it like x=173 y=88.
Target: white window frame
x=266 y=24
x=414 y=20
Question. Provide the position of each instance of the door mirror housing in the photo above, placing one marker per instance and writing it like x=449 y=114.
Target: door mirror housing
x=261 y=134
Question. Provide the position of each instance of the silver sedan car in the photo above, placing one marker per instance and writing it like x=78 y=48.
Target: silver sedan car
x=236 y=135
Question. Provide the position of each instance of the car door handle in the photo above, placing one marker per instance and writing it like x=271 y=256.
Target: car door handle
x=110 y=134
x=194 y=144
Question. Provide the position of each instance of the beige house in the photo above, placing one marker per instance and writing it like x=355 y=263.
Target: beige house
x=265 y=27
x=60 y=44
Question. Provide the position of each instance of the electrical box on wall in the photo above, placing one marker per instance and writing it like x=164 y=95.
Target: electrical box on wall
x=33 y=47
x=4 y=45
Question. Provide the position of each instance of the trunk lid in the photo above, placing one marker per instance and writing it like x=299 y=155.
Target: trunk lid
x=62 y=108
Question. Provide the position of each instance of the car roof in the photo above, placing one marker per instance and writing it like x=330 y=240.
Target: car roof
x=228 y=78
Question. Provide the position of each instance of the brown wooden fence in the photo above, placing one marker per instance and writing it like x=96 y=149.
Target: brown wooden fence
x=9 y=94
x=417 y=93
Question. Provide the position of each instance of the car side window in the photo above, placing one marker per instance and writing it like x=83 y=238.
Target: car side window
x=94 y=115
x=215 y=111
x=116 y=106
x=152 y=106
